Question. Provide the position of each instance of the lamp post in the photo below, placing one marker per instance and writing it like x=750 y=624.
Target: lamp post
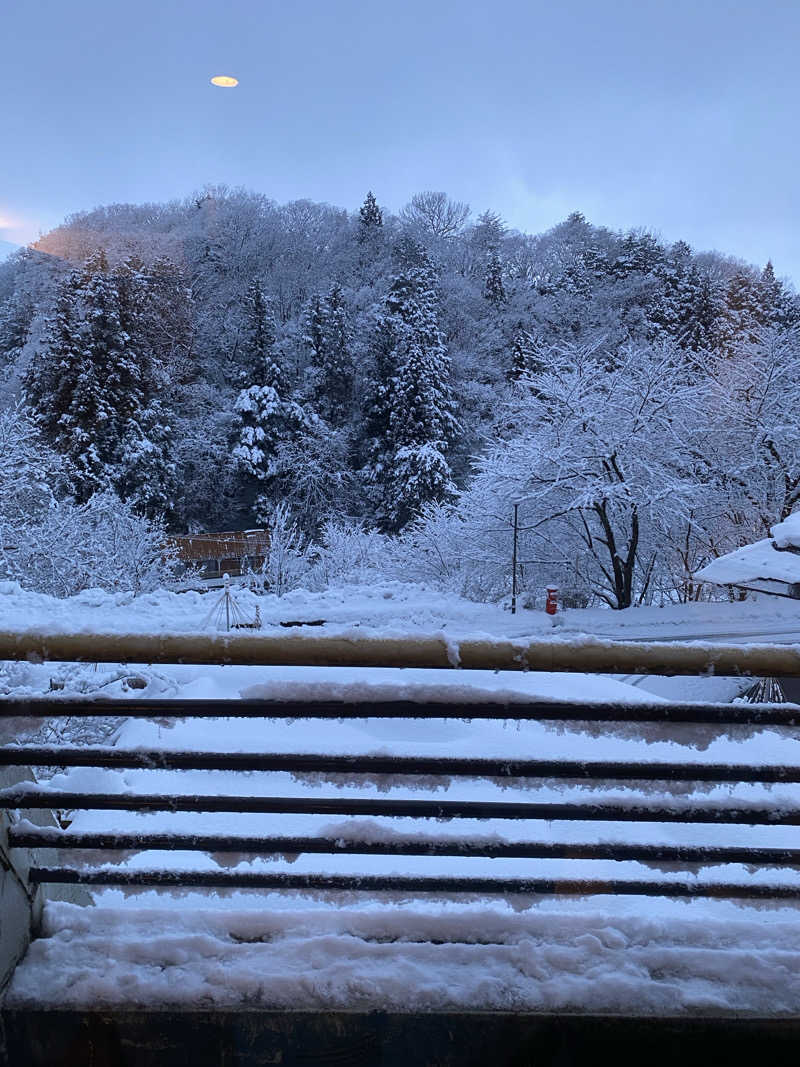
x=514 y=562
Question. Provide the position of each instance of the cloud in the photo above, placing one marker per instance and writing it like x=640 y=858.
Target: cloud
x=16 y=229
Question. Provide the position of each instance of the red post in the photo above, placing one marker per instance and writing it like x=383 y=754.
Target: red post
x=551 y=606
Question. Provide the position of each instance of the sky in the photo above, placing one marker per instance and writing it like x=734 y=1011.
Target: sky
x=675 y=115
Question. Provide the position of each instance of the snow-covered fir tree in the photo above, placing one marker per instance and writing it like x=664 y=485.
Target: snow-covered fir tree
x=700 y=328
x=168 y=320
x=779 y=309
x=524 y=361
x=370 y=218
x=493 y=287
x=15 y=320
x=267 y=415
x=92 y=388
x=68 y=383
x=744 y=312
x=255 y=353
x=328 y=336
x=411 y=416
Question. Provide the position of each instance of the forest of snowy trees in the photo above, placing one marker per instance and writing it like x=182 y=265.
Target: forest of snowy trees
x=394 y=384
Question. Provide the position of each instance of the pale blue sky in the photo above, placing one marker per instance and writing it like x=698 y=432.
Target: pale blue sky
x=677 y=115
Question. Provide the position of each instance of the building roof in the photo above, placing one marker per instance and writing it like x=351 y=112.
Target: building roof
x=771 y=565
x=228 y=544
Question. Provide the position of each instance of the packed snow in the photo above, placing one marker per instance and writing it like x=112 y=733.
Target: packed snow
x=412 y=960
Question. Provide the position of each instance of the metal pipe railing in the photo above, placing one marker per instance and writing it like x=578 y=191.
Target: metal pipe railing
x=407 y=885
x=430 y=652
x=576 y=655
x=446 y=766
x=711 y=715
x=463 y=847
x=762 y=815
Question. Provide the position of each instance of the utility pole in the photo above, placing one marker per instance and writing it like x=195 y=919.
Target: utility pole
x=514 y=563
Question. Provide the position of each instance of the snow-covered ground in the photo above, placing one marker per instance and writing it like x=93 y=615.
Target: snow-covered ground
x=282 y=948
x=397 y=607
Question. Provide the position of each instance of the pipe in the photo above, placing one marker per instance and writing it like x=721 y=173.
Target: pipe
x=588 y=656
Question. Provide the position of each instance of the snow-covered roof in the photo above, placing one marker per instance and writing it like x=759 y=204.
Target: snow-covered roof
x=786 y=534
x=771 y=565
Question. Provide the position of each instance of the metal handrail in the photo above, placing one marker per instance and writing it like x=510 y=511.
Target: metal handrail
x=593 y=656
x=505 y=771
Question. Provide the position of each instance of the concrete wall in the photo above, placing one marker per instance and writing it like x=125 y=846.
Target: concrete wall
x=21 y=904
x=263 y=1038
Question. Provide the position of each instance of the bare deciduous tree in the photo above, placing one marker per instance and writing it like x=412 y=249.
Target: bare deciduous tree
x=435 y=214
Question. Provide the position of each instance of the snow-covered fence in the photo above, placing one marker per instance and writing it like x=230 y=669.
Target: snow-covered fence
x=464 y=836
x=685 y=809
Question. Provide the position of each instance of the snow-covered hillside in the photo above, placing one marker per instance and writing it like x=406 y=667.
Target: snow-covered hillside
x=7 y=248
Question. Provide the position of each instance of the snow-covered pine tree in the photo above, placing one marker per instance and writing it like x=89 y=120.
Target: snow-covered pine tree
x=313 y=329
x=483 y=238
x=743 y=313
x=487 y=233
x=328 y=337
x=166 y=321
x=48 y=382
x=370 y=218
x=92 y=384
x=523 y=355
x=673 y=304
x=146 y=476
x=411 y=419
x=638 y=252
x=779 y=307
x=256 y=350
x=67 y=385
x=493 y=288
x=266 y=415
x=15 y=319
x=701 y=330
x=135 y=379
